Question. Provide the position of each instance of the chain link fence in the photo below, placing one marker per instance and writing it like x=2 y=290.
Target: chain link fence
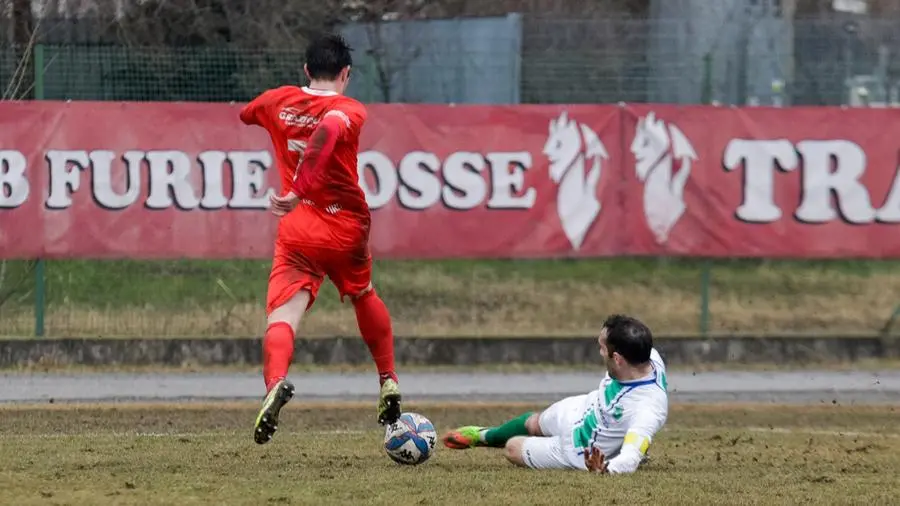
x=513 y=59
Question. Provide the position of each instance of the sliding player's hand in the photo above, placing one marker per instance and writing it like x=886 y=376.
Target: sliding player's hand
x=283 y=205
x=595 y=461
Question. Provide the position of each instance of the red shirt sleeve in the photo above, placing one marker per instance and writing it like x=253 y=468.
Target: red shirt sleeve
x=255 y=112
x=319 y=150
x=250 y=113
x=352 y=115
x=342 y=122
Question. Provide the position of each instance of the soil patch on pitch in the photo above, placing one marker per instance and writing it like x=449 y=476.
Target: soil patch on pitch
x=175 y=418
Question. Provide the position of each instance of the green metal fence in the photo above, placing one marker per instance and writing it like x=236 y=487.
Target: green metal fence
x=193 y=298
x=813 y=62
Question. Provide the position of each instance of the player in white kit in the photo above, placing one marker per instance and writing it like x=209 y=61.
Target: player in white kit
x=607 y=430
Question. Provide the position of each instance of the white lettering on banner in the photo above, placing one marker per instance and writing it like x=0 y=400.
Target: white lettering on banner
x=170 y=183
x=759 y=160
x=419 y=186
x=463 y=181
x=65 y=176
x=422 y=180
x=890 y=211
x=103 y=191
x=213 y=187
x=14 y=187
x=833 y=166
x=386 y=180
x=173 y=180
x=248 y=175
x=508 y=179
x=831 y=186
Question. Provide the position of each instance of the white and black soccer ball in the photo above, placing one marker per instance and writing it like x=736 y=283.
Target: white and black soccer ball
x=410 y=440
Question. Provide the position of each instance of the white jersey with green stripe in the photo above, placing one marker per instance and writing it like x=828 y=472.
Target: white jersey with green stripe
x=625 y=413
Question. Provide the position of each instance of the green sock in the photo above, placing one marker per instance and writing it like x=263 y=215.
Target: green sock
x=498 y=436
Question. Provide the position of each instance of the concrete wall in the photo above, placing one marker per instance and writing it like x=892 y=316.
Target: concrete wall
x=438 y=351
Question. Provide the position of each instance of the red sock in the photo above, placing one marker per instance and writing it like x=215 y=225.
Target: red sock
x=278 y=351
x=375 y=326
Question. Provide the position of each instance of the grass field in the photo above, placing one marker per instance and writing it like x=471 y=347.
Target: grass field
x=483 y=298
x=203 y=454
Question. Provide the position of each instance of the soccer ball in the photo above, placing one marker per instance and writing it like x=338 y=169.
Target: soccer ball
x=410 y=440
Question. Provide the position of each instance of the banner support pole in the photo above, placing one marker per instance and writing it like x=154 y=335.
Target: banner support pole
x=705 y=280
x=40 y=281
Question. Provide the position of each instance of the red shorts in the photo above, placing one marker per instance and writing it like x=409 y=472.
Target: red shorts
x=312 y=244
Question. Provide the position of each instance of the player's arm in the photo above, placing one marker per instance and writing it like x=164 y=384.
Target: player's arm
x=637 y=440
x=310 y=175
x=335 y=125
x=640 y=434
x=315 y=158
x=254 y=112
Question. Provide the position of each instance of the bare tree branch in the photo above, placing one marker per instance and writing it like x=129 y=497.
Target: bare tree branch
x=24 y=38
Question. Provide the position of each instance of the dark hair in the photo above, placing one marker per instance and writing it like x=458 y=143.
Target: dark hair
x=628 y=337
x=327 y=56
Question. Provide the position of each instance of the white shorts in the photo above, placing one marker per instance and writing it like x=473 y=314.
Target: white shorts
x=556 y=450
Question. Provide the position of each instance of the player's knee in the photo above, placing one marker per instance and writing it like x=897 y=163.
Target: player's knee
x=512 y=451
x=533 y=424
x=364 y=294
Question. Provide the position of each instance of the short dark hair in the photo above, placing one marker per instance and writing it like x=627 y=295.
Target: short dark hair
x=628 y=337
x=327 y=56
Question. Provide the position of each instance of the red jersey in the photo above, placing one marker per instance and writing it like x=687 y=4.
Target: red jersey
x=290 y=115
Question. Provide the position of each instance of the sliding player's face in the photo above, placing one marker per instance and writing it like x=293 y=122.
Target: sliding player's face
x=604 y=351
x=610 y=358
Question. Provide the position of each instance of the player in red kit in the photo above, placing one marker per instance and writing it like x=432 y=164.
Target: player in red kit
x=324 y=223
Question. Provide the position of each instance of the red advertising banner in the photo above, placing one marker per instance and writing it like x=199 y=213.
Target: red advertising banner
x=163 y=180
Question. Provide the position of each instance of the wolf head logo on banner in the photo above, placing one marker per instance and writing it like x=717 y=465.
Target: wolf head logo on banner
x=571 y=148
x=659 y=150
